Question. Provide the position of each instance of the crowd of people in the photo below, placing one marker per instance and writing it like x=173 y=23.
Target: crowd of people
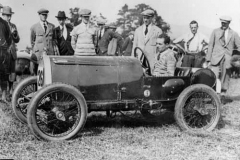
x=82 y=38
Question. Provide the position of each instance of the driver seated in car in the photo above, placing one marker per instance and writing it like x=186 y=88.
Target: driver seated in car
x=166 y=57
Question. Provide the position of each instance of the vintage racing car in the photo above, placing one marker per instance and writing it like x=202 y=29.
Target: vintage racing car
x=55 y=103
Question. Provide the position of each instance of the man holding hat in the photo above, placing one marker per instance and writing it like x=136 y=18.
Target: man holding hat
x=220 y=48
x=128 y=44
x=99 y=32
x=5 y=65
x=107 y=37
x=62 y=35
x=7 y=15
x=42 y=34
x=114 y=48
x=83 y=35
x=145 y=37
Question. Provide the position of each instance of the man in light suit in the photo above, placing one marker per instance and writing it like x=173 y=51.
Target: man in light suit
x=222 y=42
x=42 y=37
x=145 y=37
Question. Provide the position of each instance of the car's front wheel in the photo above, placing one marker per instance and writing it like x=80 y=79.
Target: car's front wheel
x=57 y=112
x=22 y=95
x=197 y=108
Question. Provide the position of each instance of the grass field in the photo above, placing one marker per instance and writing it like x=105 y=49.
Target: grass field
x=128 y=138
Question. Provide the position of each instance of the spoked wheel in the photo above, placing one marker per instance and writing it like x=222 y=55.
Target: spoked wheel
x=197 y=108
x=22 y=95
x=57 y=112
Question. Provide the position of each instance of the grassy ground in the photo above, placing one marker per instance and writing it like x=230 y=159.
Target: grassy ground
x=128 y=138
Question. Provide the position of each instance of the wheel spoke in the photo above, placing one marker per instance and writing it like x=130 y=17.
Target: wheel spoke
x=199 y=110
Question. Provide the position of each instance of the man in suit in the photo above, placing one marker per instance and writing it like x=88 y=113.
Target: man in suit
x=62 y=36
x=5 y=66
x=193 y=45
x=220 y=48
x=128 y=44
x=99 y=32
x=41 y=37
x=7 y=15
x=145 y=37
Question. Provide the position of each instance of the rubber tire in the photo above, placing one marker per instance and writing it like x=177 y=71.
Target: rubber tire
x=178 y=115
x=31 y=119
x=24 y=83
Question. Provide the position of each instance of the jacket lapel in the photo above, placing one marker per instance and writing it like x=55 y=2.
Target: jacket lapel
x=40 y=27
x=149 y=35
x=48 y=28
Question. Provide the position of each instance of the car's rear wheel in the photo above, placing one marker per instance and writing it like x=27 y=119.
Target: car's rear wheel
x=21 y=97
x=57 y=112
x=197 y=108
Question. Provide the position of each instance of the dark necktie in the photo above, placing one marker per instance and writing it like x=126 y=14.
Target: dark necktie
x=62 y=31
x=45 y=27
x=223 y=37
x=146 y=30
x=100 y=35
x=188 y=42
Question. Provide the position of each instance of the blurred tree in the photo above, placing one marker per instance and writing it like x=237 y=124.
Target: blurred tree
x=130 y=18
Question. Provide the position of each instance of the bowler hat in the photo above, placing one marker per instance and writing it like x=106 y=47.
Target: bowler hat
x=7 y=10
x=43 y=11
x=61 y=14
x=85 y=12
x=225 y=19
x=148 y=12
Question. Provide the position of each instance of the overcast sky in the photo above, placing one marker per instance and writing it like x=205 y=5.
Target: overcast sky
x=178 y=12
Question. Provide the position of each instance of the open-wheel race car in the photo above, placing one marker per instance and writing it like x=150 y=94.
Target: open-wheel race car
x=56 y=102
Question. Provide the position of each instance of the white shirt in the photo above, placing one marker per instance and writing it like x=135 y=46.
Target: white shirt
x=101 y=31
x=196 y=44
x=226 y=34
x=144 y=28
x=64 y=31
x=42 y=24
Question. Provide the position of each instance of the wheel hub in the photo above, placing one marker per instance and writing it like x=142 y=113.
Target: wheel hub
x=59 y=114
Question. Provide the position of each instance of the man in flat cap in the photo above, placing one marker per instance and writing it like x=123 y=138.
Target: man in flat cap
x=222 y=42
x=145 y=37
x=128 y=44
x=83 y=35
x=62 y=35
x=42 y=36
x=99 y=32
x=5 y=63
x=107 y=37
x=114 y=48
x=7 y=15
x=193 y=45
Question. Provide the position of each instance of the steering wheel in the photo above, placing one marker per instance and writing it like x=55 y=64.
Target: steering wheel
x=143 y=60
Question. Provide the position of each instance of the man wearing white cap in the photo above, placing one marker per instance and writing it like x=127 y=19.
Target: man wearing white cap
x=145 y=37
x=220 y=48
x=99 y=32
x=83 y=35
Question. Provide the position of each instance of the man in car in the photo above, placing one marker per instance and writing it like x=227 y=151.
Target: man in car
x=193 y=45
x=166 y=57
x=145 y=37
x=41 y=38
x=222 y=42
x=7 y=15
x=62 y=36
